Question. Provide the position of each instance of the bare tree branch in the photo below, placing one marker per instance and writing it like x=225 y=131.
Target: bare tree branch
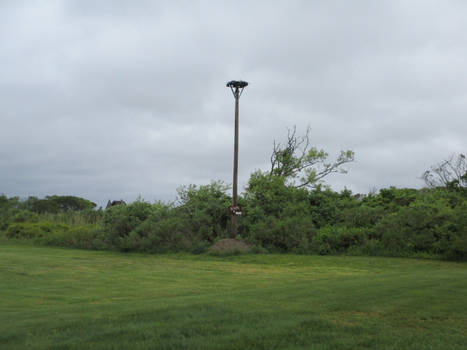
x=297 y=159
x=450 y=173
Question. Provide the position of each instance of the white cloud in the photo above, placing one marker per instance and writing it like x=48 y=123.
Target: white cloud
x=115 y=101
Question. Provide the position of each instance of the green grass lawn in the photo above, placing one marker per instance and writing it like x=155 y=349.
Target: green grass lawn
x=53 y=298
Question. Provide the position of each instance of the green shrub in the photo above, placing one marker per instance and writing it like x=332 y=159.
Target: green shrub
x=391 y=199
x=415 y=228
x=328 y=207
x=83 y=237
x=362 y=215
x=277 y=216
x=204 y=210
x=287 y=234
x=50 y=233
x=75 y=218
x=34 y=230
x=25 y=216
x=370 y=246
x=162 y=231
x=338 y=239
x=453 y=242
x=9 y=207
x=118 y=221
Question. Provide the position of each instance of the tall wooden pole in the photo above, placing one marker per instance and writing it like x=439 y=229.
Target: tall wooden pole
x=235 y=166
x=237 y=89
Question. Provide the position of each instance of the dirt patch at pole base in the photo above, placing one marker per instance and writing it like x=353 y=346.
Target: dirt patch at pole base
x=229 y=246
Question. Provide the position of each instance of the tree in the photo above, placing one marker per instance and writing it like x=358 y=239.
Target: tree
x=297 y=159
x=55 y=204
x=450 y=173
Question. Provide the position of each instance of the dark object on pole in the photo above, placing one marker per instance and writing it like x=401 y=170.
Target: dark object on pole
x=235 y=210
x=237 y=89
x=237 y=84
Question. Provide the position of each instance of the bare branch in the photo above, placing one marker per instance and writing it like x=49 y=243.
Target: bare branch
x=297 y=159
x=451 y=172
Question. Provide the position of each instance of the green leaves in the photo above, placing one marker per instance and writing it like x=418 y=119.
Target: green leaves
x=205 y=208
x=302 y=165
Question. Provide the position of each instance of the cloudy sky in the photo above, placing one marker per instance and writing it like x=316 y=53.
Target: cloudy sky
x=115 y=99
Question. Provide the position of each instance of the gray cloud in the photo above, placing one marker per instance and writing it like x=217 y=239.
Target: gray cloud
x=111 y=100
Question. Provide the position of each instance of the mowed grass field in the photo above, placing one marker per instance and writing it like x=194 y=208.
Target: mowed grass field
x=53 y=298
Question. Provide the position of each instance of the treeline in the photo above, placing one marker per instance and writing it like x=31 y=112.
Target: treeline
x=285 y=209
x=277 y=217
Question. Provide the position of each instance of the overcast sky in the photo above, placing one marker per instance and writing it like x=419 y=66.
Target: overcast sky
x=115 y=99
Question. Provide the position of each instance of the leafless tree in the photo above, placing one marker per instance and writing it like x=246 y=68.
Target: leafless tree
x=451 y=172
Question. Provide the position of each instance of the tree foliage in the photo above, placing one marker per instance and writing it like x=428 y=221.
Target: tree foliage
x=56 y=204
x=303 y=165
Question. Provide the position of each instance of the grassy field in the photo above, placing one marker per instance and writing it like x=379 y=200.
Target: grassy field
x=52 y=298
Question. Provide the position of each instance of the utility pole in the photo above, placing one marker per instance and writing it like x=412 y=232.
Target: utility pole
x=235 y=210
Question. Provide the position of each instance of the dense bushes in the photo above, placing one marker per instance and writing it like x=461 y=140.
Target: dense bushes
x=50 y=233
x=286 y=209
x=452 y=243
x=394 y=222
x=9 y=207
x=277 y=217
x=144 y=227
x=28 y=230
x=338 y=239
x=120 y=220
x=204 y=210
